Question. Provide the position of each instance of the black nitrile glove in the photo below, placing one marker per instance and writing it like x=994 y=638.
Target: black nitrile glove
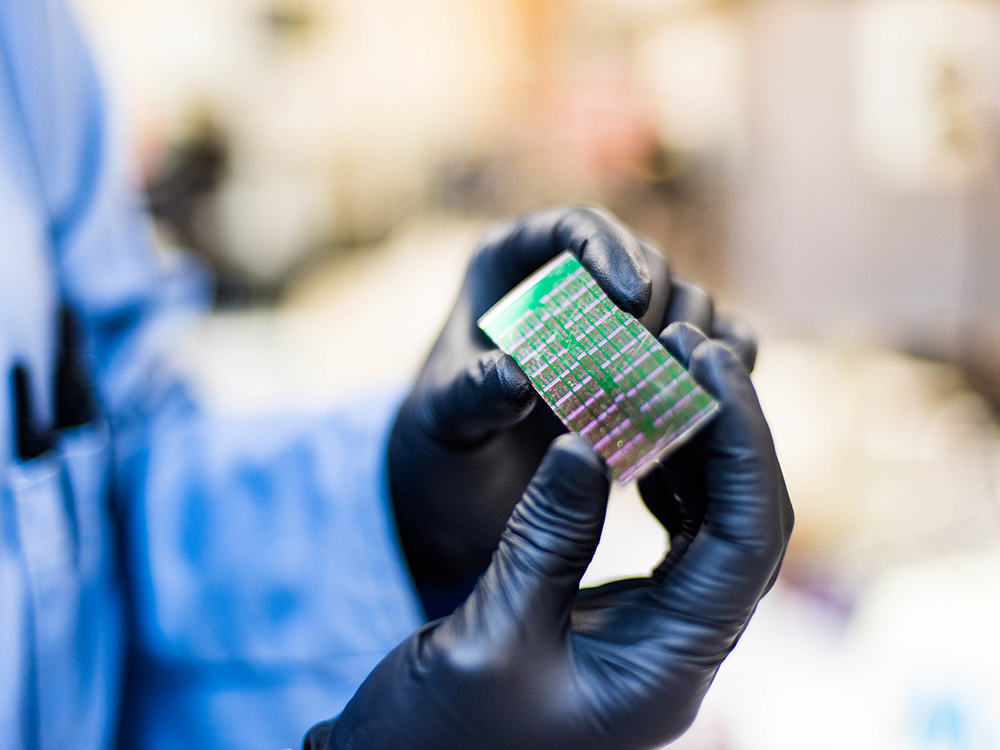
x=676 y=490
x=530 y=662
x=472 y=432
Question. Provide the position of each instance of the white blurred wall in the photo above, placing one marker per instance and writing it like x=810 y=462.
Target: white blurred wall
x=867 y=131
x=336 y=121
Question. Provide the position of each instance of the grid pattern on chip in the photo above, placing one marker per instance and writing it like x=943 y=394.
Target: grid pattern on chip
x=598 y=368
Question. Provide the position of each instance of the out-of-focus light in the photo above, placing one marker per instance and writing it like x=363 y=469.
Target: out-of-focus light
x=337 y=112
x=650 y=7
x=923 y=71
x=693 y=68
x=886 y=456
x=925 y=649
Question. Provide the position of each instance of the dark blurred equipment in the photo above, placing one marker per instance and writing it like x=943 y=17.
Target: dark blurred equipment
x=182 y=195
x=290 y=20
x=980 y=326
x=191 y=173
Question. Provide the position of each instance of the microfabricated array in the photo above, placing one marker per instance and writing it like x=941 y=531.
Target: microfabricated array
x=601 y=371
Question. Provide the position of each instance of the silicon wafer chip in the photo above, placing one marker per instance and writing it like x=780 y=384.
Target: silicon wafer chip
x=598 y=368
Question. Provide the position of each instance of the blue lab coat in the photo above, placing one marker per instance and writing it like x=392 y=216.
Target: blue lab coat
x=167 y=578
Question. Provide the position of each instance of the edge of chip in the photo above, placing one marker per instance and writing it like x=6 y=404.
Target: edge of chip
x=681 y=438
x=517 y=292
x=653 y=459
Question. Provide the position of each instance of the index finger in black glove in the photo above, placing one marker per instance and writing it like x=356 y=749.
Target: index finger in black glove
x=674 y=492
x=697 y=610
x=739 y=336
x=748 y=516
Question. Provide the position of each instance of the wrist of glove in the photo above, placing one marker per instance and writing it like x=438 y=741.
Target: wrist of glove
x=529 y=661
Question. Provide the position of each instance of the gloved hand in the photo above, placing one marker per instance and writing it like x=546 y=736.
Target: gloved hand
x=472 y=431
x=527 y=662
x=675 y=491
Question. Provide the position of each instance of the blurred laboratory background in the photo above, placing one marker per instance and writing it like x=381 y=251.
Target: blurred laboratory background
x=828 y=168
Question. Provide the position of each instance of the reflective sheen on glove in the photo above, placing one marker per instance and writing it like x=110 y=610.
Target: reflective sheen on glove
x=530 y=662
x=472 y=432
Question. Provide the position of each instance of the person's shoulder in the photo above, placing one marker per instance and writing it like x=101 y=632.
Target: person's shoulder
x=56 y=96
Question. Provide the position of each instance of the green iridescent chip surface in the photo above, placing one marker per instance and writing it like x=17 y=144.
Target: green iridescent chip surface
x=598 y=368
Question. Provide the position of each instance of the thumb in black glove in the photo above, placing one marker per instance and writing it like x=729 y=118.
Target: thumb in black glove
x=530 y=662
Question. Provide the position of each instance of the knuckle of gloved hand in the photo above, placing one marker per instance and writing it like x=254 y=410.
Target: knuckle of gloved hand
x=692 y=304
x=653 y=254
x=681 y=339
x=550 y=530
x=759 y=539
x=768 y=547
x=728 y=327
x=472 y=659
x=787 y=516
x=610 y=252
x=716 y=365
x=743 y=355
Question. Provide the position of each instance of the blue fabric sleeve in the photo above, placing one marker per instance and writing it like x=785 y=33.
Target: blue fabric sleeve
x=132 y=301
x=268 y=575
x=265 y=577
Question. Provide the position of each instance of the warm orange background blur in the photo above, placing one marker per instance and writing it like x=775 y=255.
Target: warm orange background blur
x=827 y=167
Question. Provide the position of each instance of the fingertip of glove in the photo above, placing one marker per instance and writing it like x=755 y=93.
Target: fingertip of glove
x=720 y=371
x=740 y=336
x=681 y=339
x=568 y=495
x=513 y=383
x=576 y=448
x=715 y=361
x=572 y=462
x=635 y=295
x=611 y=253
